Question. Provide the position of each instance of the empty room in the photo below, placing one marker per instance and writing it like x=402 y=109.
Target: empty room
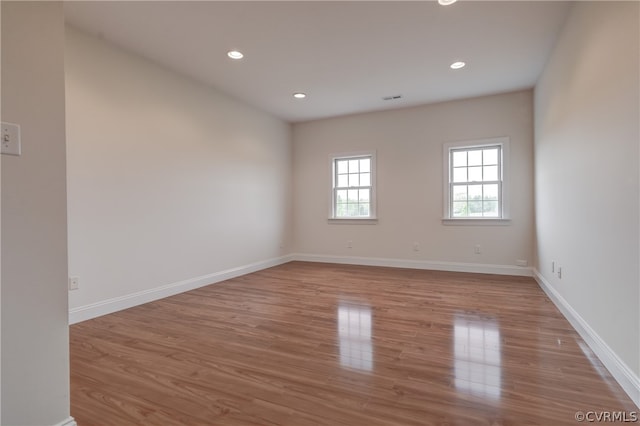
x=320 y=213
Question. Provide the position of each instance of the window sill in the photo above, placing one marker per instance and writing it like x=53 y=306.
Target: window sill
x=351 y=221
x=476 y=222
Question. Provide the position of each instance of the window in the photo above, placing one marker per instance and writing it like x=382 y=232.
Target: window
x=353 y=192
x=474 y=182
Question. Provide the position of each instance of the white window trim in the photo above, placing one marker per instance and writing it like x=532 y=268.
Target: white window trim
x=505 y=219
x=372 y=219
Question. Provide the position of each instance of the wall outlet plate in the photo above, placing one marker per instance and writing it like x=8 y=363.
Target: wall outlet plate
x=74 y=283
x=10 y=139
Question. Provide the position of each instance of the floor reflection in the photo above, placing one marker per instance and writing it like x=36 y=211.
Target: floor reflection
x=477 y=356
x=597 y=365
x=354 y=333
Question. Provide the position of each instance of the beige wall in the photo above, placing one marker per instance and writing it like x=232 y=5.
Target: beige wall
x=168 y=180
x=409 y=145
x=35 y=350
x=586 y=164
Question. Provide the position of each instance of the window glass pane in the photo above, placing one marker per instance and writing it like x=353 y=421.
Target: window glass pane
x=490 y=156
x=475 y=174
x=460 y=209
x=352 y=210
x=364 y=195
x=354 y=179
x=475 y=208
x=365 y=165
x=459 y=158
x=353 y=195
x=491 y=192
x=490 y=208
x=341 y=209
x=365 y=179
x=459 y=192
x=343 y=181
x=342 y=166
x=363 y=209
x=341 y=196
x=353 y=166
x=475 y=158
x=475 y=192
x=460 y=174
x=490 y=173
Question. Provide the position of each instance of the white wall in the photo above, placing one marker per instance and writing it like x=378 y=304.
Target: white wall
x=168 y=180
x=586 y=167
x=409 y=144
x=35 y=348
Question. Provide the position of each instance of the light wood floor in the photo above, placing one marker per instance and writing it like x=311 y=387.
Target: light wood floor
x=319 y=344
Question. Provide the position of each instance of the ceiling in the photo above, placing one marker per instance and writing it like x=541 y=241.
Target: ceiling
x=345 y=55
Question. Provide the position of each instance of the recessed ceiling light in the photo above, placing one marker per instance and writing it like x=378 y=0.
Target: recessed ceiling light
x=234 y=54
x=446 y=2
x=299 y=95
x=457 y=65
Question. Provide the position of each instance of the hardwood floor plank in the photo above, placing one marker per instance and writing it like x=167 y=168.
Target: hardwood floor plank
x=320 y=344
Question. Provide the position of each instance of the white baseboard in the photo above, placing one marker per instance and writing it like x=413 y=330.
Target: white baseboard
x=69 y=421
x=418 y=264
x=115 y=304
x=620 y=371
x=109 y=306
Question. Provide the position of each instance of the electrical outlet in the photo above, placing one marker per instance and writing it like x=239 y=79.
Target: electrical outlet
x=74 y=283
x=416 y=246
x=476 y=249
x=560 y=272
x=521 y=262
x=349 y=244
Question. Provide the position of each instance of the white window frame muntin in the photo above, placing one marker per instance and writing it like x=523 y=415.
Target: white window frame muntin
x=447 y=148
x=373 y=217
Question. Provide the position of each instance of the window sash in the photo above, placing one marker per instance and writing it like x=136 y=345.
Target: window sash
x=363 y=209
x=469 y=183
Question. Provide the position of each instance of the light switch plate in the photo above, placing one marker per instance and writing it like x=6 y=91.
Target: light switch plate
x=10 y=139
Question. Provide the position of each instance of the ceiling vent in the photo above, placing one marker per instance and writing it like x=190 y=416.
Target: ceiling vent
x=392 y=98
